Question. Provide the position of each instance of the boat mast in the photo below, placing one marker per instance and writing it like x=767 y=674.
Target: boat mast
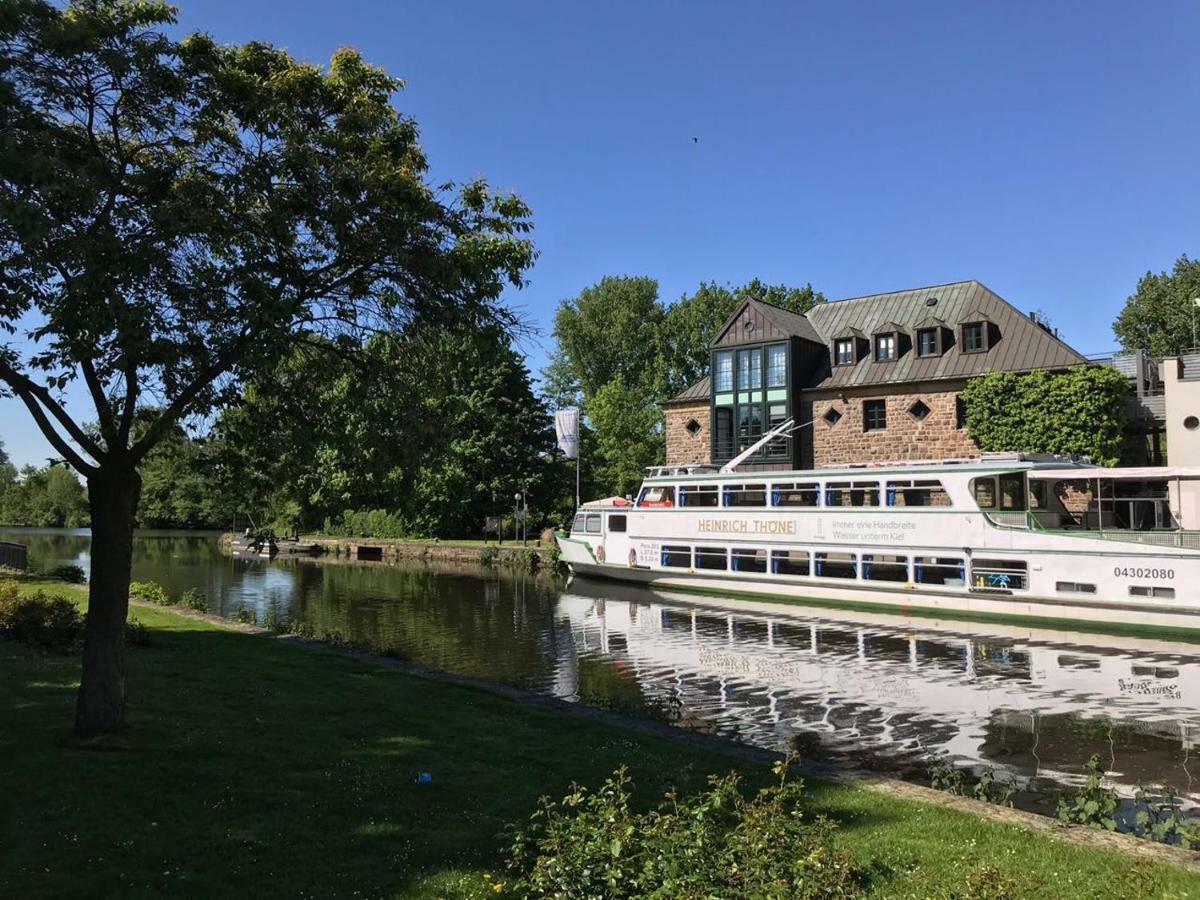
x=783 y=430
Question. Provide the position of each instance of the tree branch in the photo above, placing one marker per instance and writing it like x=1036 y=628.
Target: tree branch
x=56 y=439
x=23 y=385
x=103 y=410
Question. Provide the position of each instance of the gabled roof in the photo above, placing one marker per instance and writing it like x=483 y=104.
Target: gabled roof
x=693 y=394
x=765 y=323
x=888 y=327
x=849 y=332
x=931 y=322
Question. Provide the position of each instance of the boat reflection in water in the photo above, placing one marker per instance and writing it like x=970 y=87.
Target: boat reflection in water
x=898 y=692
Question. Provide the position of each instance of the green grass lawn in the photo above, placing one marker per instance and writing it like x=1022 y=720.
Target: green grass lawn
x=257 y=767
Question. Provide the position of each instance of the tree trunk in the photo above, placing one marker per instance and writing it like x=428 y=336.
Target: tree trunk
x=113 y=493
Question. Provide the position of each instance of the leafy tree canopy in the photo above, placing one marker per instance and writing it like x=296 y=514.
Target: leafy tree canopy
x=1161 y=315
x=1079 y=412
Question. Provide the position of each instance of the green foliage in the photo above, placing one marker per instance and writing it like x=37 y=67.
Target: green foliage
x=989 y=790
x=947 y=777
x=194 y=599
x=488 y=556
x=43 y=621
x=1093 y=803
x=137 y=634
x=1081 y=411
x=67 y=572
x=51 y=497
x=629 y=436
x=246 y=616
x=716 y=843
x=368 y=523
x=149 y=592
x=1160 y=817
x=1160 y=315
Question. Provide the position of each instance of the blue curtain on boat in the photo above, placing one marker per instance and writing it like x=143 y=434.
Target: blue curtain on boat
x=866 y=572
x=682 y=497
x=918 y=573
x=818 y=565
x=891 y=496
x=776 y=497
x=665 y=557
x=962 y=571
x=728 y=500
x=775 y=561
x=829 y=497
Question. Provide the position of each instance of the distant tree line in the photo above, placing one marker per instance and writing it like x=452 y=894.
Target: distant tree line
x=47 y=497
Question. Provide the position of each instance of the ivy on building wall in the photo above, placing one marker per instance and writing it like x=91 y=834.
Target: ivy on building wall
x=1081 y=411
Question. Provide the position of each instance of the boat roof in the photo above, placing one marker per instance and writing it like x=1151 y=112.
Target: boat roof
x=1124 y=473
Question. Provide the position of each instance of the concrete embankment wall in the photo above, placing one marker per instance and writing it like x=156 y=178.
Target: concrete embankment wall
x=533 y=556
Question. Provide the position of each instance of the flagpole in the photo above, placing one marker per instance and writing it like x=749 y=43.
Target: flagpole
x=578 y=456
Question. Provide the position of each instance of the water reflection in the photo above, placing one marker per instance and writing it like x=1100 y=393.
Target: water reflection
x=883 y=690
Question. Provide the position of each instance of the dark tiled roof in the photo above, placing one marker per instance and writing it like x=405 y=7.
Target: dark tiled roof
x=698 y=391
x=1020 y=345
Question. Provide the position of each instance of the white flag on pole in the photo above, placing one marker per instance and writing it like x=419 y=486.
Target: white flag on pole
x=566 y=429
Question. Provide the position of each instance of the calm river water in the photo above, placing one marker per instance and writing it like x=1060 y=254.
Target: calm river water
x=878 y=690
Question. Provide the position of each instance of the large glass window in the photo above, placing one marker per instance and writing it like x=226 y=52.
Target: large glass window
x=927 y=342
x=843 y=352
x=749 y=424
x=776 y=416
x=885 y=347
x=723 y=433
x=985 y=492
x=749 y=375
x=777 y=365
x=657 y=496
x=723 y=372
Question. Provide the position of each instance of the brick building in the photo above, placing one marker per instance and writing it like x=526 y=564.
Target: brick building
x=871 y=378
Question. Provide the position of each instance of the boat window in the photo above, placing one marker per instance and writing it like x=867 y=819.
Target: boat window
x=947 y=571
x=748 y=560
x=884 y=568
x=1075 y=587
x=1013 y=493
x=699 y=495
x=984 y=490
x=745 y=495
x=1000 y=574
x=617 y=522
x=1165 y=593
x=1037 y=494
x=917 y=493
x=790 y=562
x=657 y=495
x=593 y=523
x=676 y=557
x=852 y=493
x=835 y=565
x=800 y=494
x=577 y=525
x=712 y=558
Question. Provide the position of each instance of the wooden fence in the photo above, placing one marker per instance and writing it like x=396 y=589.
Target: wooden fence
x=14 y=556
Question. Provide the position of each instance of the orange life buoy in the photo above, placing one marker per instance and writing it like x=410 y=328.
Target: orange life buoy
x=600 y=553
x=632 y=558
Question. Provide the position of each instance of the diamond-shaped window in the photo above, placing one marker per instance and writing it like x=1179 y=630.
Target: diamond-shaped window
x=919 y=411
x=692 y=427
x=832 y=416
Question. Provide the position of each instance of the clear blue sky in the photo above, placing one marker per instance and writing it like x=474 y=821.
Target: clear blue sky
x=1051 y=150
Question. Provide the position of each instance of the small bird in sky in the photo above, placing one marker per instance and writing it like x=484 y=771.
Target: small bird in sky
x=695 y=140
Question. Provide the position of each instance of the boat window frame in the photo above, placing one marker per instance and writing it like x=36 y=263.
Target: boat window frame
x=922 y=565
x=779 y=489
x=700 y=551
x=596 y=519
x=997 y=571
x=893 y=488
x=741 y=488
x=683 y=491
x=665 y=549
x=784 y=555
x=820 y=559
x=613 y=519
x=736 y=553
x=851 y=487
x=869 y=561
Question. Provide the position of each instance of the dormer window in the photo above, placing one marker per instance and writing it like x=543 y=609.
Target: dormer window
x=974 y=337
x=843 y=352
x=885 y=347
x=929 y=342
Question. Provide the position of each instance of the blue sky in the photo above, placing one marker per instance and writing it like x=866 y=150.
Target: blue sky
x=1051 y=150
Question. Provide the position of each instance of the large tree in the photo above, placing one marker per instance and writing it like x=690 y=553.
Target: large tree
x=175 y=214
x=1161 y=315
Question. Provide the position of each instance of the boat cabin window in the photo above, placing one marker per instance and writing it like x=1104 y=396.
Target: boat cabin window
x=699 y=495
x=1000 y=574
x=948 y=571
x=593 y=523
x=1074 y=587
x=852 y=493
x=790 y=562
x=1013 y=493
x=984 y=490
x=745 y=495
x=617 y=522
x=798 y=494
x=917 y=493
x=586 y=523
x=657 y=495
x=835 y=565
x=884 y=568
x=748 y=560
x=1149 y=591
x=676 y=557
x=1037 y=494
x=712 y=558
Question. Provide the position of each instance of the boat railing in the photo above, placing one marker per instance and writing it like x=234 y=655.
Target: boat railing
x=1184 y=540
x=1017 y=518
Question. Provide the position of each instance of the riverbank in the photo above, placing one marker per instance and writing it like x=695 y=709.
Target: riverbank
x=530 y=556
x=268 y=766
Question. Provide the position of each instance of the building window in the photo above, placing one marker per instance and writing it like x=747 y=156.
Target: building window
x=885 y=347
x=723 y=433
x=692 y=427
x=960 y=412
x=874 y=415
x=749 y=375
x=919 y=411
x=832 y=416
x=777 y=365
x=974 y=337
x=750 y=422
x=776 y=416
x=723 y=372
x=927 y=342
x=843 y=352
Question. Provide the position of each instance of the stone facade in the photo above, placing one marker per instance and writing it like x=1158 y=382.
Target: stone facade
x=687 y=445
x=936 y=435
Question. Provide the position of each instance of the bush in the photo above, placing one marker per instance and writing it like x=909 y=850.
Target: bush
x=714 y=844
x=194 y=599
x=368 y=523
x=40 y=620
x=1092 y=804
x=136 y=634
x=70 y=573
x=246 y=616
x=149 y=592
x=488 y=556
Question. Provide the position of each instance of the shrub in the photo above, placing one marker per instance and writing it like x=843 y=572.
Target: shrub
x=71 y=573
x=714 y=844
x=246 y=616
x=488 y=555
x=194 y=599
x=1092 y=804
x=136 y=634
x=149 y=592
x=40 y=620
x=369 y=523
x=1160 y=817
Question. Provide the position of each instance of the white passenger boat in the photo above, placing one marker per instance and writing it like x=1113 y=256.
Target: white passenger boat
x=1005 y=536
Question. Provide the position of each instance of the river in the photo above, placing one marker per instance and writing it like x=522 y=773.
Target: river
x=873 y=690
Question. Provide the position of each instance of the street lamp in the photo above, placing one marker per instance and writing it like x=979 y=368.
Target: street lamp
x=521 y=513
